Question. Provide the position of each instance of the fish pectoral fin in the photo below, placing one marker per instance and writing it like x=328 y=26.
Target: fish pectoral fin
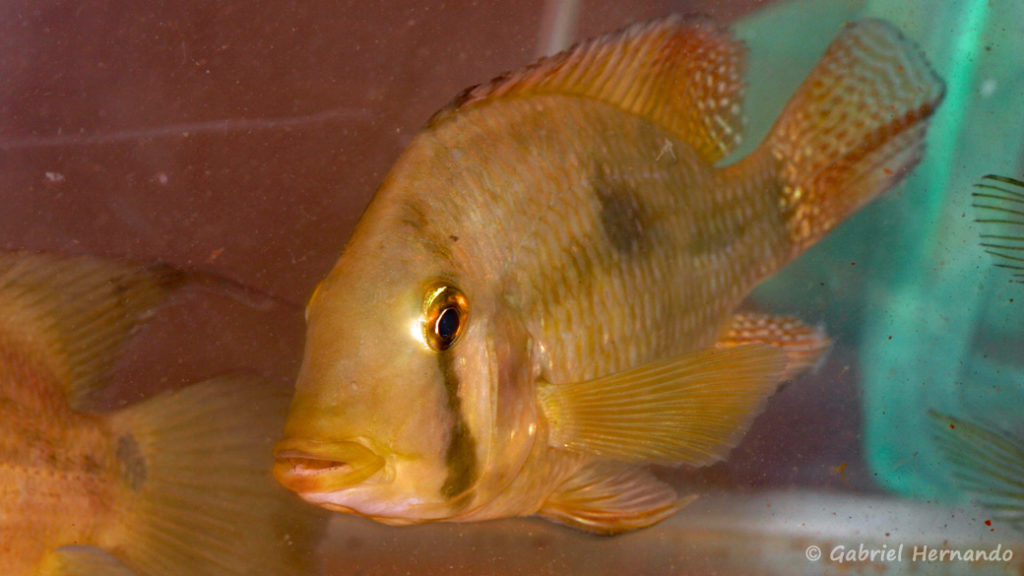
x=609 y=497
x=690 y=409
x=987 y=463
x=76 y=312
x=81 y=561
x=804 y=345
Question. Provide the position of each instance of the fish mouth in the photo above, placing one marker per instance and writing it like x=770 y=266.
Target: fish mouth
x=308 y=466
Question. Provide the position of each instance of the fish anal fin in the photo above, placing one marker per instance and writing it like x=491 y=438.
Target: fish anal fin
x=690 y=409
x=804 y=345
x=610 y=497
x=196 y=495
x=74 y=313
x=82 y=561
x=683 y=73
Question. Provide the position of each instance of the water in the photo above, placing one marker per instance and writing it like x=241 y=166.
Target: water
x=245 y=139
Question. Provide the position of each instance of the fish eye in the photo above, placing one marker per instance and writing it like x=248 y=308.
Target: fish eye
x=447 y=324
x=444 y=316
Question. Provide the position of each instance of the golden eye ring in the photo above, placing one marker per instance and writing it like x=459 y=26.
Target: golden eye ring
x=445 y=312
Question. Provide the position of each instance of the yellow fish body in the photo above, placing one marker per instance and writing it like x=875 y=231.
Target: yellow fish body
x=177 y=484
x=541 y=298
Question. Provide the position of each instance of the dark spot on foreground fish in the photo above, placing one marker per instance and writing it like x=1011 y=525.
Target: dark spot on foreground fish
x=601 y=258
x=999 y=201
x=622 y=217
x=176 y=484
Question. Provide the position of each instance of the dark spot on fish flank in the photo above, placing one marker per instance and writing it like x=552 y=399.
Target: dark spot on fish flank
x=622 y=217
x=131 y=462
x=460 y=456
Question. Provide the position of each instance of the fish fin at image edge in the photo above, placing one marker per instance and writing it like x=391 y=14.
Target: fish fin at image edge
x=986 y=463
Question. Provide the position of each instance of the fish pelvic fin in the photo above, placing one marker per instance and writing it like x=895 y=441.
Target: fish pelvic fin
x=691 y=409
x=196 y=494
x=82 y=561
x=854 y=128
x=608 y=497
x=985 y=462
x=683 y=73
x=803 y=345
x=74 y=313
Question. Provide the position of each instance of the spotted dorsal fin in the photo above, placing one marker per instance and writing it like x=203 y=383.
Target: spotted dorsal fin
x=685 y=74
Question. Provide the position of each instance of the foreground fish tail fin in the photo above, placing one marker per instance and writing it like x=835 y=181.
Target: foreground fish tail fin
x=854 y=128
x=74 y=313
x=196 y=495
x=987 y=463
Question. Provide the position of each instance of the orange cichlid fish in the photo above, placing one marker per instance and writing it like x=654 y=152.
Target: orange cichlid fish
x=177 y=484
x=541 y=299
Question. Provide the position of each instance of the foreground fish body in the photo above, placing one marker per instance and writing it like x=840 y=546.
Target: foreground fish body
x=176 y=484
x=541 y=297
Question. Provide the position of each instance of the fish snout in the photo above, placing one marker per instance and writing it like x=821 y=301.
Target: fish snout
x=310 y=466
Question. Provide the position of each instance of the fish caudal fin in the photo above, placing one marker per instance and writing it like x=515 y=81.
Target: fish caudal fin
x=690 y=410
x=196 y=494
x=854 y=128
x=987 y=463
x=74 y=313
x=612 y=497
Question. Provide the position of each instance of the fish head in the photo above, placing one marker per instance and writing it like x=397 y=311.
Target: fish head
x=413 y=402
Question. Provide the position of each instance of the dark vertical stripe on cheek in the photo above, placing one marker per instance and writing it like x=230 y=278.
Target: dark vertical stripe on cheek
x=460 y=458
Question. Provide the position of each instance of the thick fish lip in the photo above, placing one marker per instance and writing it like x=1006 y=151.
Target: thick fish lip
x=309 y=466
